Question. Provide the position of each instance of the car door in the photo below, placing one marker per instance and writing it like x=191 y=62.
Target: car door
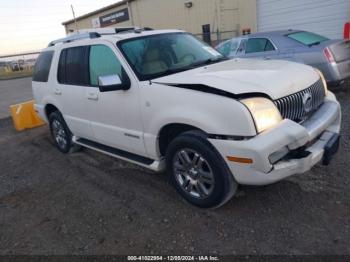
x=114 y=116
x=69 y=89
x=259 y=48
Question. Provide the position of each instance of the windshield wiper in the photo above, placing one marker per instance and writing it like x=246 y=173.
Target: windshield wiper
x=209 y=61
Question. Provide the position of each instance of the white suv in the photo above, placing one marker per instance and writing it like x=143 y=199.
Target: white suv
x=165 y=100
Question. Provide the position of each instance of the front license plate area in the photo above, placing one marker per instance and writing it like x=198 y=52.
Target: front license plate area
x=330 y=149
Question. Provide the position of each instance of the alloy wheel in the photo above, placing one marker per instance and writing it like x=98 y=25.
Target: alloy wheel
x=193 y=173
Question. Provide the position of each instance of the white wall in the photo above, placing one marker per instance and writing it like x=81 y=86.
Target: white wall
x=326 y=17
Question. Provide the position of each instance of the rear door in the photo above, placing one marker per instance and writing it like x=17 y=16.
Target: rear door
x=69 y=89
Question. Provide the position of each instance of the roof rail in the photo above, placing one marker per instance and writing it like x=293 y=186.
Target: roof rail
x=75 y=37
x=96 y=33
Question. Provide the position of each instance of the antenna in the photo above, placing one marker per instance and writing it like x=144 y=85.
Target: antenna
x=75 y=20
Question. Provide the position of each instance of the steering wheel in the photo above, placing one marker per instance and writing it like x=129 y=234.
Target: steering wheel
x=189 y=58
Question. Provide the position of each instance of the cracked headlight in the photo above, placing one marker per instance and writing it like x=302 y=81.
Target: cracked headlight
x=264 y=112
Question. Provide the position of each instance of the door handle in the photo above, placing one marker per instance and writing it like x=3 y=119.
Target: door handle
x=92 y=96
x=57 y=91
x=267 y=58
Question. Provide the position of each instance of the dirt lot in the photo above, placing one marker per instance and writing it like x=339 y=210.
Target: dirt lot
x=89 y=203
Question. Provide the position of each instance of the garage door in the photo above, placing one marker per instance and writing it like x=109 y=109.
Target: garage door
x=325 y=17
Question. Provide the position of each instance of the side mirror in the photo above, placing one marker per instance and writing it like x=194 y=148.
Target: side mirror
x=112 y=83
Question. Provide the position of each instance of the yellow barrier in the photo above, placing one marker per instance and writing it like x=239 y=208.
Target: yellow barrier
x=24 y=116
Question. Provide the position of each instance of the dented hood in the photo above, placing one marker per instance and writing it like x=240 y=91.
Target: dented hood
x=275 y=78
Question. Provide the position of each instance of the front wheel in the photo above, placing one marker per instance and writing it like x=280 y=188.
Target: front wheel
x=198 y=172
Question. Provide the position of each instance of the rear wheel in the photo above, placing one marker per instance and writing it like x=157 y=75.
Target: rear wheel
x=198 y=171
x=61 y=134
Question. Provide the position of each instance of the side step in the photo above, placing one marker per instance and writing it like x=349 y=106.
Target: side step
x=144 y=161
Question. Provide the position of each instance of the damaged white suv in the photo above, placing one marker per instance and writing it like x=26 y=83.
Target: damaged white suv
x=165 y=100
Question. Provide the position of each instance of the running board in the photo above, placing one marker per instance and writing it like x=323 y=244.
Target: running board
x=114 y=152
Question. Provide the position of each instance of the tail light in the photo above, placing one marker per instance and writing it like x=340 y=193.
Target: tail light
x=328 y=54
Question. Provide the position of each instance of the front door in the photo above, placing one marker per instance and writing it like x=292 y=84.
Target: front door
x=114 y=116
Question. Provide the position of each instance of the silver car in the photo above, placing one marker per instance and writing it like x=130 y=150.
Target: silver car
x=332 y=57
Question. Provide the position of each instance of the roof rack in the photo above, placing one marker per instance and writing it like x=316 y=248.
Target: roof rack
x=75 y=37
x=96 y=33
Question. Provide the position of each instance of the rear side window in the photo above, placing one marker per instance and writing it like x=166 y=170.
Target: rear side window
x=73 y=67
x=42 y=66
x=255 y=45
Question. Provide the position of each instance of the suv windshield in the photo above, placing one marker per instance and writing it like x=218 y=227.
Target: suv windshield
x=160 y=55
x=308 y=38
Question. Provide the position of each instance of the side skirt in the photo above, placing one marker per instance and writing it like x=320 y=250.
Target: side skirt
x=154 y=165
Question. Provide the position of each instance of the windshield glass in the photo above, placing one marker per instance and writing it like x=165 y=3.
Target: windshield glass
x=159 y=55
x=308 y=38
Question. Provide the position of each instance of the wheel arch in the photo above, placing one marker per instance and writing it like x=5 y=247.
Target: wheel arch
x=170 y=131
x=50 y=108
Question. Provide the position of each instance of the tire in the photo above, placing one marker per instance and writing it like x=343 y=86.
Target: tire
x=202 y=177
x=61 y=134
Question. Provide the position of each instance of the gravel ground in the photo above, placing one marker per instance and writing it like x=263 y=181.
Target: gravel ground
x=89 y=203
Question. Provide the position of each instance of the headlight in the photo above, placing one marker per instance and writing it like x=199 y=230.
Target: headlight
x=323 y=80
x=264 y=112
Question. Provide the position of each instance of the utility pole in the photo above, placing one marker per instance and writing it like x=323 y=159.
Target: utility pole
x=75 y=20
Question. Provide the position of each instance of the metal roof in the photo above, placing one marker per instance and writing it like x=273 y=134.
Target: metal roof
x=98 y=11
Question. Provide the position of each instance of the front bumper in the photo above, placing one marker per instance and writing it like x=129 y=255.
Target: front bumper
x=312 y=135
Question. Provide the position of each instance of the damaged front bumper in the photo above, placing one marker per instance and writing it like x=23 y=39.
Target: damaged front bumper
x=289 y=148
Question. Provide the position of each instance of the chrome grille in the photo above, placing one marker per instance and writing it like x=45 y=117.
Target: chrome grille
x=299 y=105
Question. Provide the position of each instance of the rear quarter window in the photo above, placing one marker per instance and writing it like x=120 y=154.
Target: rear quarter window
x=42 y=66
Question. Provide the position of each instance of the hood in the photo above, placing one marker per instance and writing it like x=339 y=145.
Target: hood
x=275 y=78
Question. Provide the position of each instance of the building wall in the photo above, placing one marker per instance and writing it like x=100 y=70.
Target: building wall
x=325 y=17
x=222 y=15
x=87 y=22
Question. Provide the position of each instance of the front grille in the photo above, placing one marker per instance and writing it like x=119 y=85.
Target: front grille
x=298 y=106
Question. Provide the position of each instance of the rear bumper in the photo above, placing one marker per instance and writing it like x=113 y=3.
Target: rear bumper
x=339 y=71
x=312 y=136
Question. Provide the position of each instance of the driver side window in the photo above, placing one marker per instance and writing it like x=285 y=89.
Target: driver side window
x=103 y=62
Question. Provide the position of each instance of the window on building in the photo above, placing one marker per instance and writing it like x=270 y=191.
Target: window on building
x=42 y=66
x=255 y=45
x=103 y=62
x=73 y=68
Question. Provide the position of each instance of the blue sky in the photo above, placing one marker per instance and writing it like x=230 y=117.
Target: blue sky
x=27 y=25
